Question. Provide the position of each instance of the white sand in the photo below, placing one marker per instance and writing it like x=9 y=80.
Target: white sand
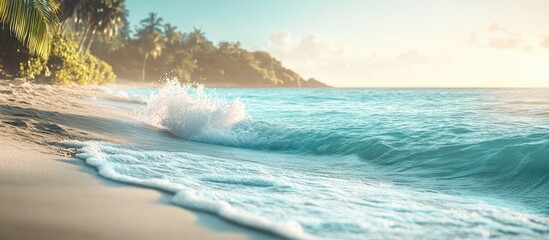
x=46 y=195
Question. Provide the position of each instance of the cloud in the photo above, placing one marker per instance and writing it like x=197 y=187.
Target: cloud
x=309 y=48
x=316 y=50
x=494 y=36
x=495 y=27
x=309 y=55
x=281 y=41
x=544 y=41
x=315 y=56
x=507 y=42
x=472 y=42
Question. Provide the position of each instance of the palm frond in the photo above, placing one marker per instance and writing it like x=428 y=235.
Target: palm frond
x=33 y=22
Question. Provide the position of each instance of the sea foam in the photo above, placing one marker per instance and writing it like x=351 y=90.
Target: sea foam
x=131 y=166
x=190 y=112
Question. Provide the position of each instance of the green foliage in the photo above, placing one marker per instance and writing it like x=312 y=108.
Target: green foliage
x=152 y=23
x=35 y=25
x=68 y=65
x=100 y=71
x=33 y=67
x=33 y=22
x=191 y=57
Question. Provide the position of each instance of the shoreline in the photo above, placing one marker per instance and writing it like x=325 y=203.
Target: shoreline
x=47 y=194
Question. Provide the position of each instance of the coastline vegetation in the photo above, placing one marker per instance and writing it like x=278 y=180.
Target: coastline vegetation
x=91 y=42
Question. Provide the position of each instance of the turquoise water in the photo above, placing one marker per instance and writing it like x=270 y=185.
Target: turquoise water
x=347 y=163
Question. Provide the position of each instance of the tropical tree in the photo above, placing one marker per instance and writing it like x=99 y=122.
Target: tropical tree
x=173 y=37
x=151 y=46
x=33 y=22
x=110 y=16
x=102 y=18
x=151 y=39
x=68 y=8
x=197 y=36
x=152 y=24
x=84 y=20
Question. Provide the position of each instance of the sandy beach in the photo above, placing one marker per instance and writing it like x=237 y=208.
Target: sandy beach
x=272 y=119
x=45 y=193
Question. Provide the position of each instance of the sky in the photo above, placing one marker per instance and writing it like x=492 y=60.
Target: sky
x=390 y=43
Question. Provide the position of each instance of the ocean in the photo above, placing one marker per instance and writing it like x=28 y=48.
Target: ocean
x=344 y=163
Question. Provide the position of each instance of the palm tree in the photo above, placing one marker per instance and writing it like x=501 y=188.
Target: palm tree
x=196 y=42
x=102 y=17
x=68 y=8
x=33 y=22
x=197 y=36
x=109 y=17
x=153 y=23
x=151 y=39
x=151 y=45
x=171 y=33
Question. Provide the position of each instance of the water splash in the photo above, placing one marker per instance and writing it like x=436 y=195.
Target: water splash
x=189 y=112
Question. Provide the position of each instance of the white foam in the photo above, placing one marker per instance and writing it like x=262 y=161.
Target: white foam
x=192 y=199
x=189 y=112
x=96 y=154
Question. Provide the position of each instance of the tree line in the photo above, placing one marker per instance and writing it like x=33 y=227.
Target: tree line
x=35 y=34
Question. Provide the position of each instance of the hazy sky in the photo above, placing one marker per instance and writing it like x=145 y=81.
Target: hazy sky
x=467 y=43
